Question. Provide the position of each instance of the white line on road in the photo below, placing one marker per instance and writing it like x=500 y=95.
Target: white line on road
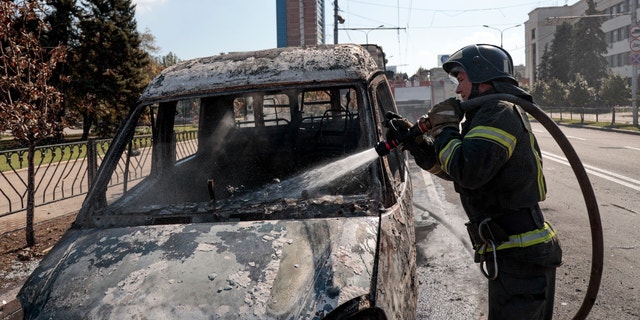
x=632 y=148
x=572 y=137
x=608 y=175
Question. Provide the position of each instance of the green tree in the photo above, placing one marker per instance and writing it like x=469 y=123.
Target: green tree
x=62 y=15
x=556 y=95
x=111 y=64
x=169 y=59
x=538 y=92
x=544 y=70
x=29 y=105
x=560 y=53
x=615 y=91
x=580 y=94
x=589 y=47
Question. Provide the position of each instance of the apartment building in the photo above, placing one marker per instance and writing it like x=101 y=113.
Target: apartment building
x=616 y=15
x=300 y=22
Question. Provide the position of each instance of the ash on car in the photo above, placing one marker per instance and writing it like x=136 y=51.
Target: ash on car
x=266 y=204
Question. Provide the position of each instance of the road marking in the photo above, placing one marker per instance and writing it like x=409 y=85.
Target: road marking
x=632 y=148
x=608 y=175
x=572 y=137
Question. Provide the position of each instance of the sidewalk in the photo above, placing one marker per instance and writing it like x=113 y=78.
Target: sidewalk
x=8 y=302
x=451 y=285
x=18 y=220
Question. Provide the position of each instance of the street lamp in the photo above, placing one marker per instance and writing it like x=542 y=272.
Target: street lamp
x=367 y=33
x=501 y=31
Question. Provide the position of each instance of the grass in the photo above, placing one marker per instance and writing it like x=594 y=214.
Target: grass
x=46 y=155
x=43 y=156
x=607 y=125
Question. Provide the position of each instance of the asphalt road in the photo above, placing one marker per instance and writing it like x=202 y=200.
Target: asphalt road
x=611 y=161
x=452 y=287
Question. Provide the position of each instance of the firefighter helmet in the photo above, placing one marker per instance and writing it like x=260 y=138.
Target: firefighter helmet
x=482 y=63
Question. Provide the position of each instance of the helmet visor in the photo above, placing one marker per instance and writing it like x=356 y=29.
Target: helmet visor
x=453 y=74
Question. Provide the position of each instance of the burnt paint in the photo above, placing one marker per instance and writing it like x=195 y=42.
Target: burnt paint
x=294 y=269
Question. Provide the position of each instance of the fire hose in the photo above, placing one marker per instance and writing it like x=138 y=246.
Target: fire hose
x=597 y=246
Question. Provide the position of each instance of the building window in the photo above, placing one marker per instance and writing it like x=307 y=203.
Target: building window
x=533 y=33
x=621 y=59
x=534 y=63
x=609 y=37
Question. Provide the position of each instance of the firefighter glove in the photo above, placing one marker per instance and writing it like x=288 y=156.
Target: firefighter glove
x=399 y=129
x=446 y=114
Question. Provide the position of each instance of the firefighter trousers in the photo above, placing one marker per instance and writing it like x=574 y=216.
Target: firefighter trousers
x=525 y=285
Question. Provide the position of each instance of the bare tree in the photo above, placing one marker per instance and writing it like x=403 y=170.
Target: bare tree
x=29 y=105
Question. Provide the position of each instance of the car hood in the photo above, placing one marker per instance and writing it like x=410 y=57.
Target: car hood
x=250 y=270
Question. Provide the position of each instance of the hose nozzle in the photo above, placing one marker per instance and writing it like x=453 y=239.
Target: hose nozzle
x=383 y=148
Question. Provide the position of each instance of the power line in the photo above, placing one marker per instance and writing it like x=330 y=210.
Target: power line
x=452 y=11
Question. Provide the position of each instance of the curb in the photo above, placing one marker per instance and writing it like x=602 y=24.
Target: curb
x=599 y=128
x=586 y=126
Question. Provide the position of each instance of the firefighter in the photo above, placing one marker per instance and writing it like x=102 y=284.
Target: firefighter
x=495 y=164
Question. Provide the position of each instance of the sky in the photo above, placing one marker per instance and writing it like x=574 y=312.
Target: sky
x=413 y=33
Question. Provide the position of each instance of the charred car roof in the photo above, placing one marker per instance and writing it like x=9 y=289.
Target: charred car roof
x=272 y=67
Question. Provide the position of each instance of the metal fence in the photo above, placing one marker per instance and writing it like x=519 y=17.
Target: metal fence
x=66 y=170
x=617 y=115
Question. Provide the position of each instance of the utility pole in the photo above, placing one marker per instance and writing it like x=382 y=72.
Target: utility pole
x=335 y=22
x=634 y=70
x=337 y=19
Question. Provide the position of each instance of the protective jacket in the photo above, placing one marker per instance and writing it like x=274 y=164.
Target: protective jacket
x=494 y=161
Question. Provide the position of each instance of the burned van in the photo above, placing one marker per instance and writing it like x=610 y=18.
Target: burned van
x=257 y=195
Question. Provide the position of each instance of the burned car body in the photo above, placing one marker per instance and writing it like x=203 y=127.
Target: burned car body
x=268 y=211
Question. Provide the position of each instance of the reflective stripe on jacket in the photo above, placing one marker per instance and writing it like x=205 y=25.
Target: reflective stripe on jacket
x=494 y=161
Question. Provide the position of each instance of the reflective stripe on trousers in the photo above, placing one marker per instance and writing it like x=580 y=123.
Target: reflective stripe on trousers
x=526 y=239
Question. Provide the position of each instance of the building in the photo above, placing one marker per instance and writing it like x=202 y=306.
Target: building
x=300 y=22
x=541 y=26
x=415 y=98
